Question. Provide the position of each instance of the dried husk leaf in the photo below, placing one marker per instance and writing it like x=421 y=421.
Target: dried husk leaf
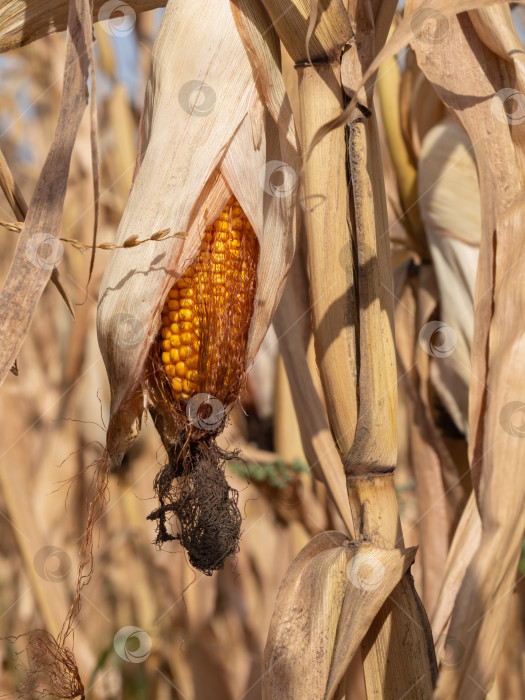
x=262 y=45
x=24 y=21
x=191 y=163
x=327 y=600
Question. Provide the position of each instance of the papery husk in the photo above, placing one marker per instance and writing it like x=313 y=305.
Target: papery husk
x=327 y=600
x=190 y=166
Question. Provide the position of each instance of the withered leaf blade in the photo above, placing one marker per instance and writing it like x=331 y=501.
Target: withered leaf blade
x=24 y=21
x=31 y=268
x=326 y=603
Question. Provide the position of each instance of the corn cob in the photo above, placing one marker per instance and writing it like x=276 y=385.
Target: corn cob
x=207 y=313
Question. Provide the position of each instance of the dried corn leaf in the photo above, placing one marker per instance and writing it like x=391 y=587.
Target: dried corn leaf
x=37 y=252
x=24 y=21
x=327 y=600
x=447 y=171
x=293 y=328
x=484 y=599
x=464 y=544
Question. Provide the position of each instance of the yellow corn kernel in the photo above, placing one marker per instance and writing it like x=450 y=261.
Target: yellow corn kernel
x=207 y=313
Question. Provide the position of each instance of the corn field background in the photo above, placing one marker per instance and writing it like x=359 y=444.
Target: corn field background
x=449 y=101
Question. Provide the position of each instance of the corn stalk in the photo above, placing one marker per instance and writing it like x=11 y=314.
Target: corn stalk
x=352 y=311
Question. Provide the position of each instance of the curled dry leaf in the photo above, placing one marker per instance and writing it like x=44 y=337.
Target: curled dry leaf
x=326 y=603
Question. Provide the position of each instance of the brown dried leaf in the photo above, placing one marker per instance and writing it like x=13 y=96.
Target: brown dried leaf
x=326 y=603
x=31 y=268
x=24 y=21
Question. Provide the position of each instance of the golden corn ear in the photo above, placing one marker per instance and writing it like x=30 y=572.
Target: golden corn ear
x=206 y=316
